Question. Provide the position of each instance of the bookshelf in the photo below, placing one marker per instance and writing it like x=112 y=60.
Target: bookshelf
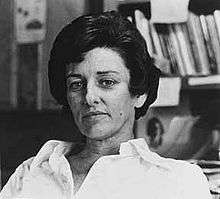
x=185 y=112
x=174 y=85
x=192 y=48
x=208 y=82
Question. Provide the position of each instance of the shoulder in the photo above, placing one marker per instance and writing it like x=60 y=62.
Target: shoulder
x=191 y=177
x=179 y=167
x=184 y=168
x=15 y=182
x=34 y=164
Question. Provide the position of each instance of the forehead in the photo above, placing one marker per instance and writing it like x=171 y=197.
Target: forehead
x=100 y=59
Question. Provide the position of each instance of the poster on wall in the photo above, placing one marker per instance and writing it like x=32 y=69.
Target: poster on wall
x=30 y=21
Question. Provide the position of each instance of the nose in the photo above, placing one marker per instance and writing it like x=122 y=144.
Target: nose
x=92 y=94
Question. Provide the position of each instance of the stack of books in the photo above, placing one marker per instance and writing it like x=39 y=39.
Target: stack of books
x=192 y=47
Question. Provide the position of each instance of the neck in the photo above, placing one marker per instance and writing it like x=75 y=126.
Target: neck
x=96 y=148
x=107 y=146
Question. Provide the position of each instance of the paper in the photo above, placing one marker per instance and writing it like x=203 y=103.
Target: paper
x=30 y=20
x=212 y=79
x=169 y=11
x=168 y=92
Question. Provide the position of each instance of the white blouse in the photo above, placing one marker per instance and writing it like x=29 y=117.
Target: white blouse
x=135 y=173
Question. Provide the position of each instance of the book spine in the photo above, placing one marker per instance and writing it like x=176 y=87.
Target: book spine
x=171 y=55
x=215 y=40
x=195 y=31
x=184 y=50
x=189 y=47
x=176 y=48
x=207 y=40
x=194 y=48
x=156 y=41
x=143 y=26
x=161 y=31
x=217 y=21
x=167 y=48
x=147 y=36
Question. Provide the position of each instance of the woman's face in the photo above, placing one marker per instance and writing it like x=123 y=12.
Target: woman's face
x=98 y=95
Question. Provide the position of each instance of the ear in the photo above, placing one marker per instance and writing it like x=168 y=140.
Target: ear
x=140 y=100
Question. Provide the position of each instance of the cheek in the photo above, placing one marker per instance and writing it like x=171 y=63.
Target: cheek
x=74 y=98
x=123 y=107
x=74 y=102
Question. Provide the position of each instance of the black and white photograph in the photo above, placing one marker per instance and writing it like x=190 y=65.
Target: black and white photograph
x=109 y=99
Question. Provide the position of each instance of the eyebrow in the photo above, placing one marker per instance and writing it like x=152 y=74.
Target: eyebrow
x=106 y=72
x=73 y=75
x=98 y=73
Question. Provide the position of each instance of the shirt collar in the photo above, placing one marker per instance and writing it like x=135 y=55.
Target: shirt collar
x=140 y=147
x=54 y=149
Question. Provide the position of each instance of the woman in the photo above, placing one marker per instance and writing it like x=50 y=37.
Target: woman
x=100 y=69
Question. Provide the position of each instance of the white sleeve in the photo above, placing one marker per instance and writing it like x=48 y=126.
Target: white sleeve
x=15 y=182
x=195 y=183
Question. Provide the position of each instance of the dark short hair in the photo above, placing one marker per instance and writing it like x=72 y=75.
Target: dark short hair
x=108 y=30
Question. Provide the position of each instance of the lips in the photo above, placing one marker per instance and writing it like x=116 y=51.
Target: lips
x=94 y=113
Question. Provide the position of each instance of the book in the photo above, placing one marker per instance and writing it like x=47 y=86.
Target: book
x=194 y=48
x=172 y=55
x=189 y=47
x=214 y=40
x=168 y=92
x=156 y=41
x=211 y=79
x=167 y=48
x=185 y=50
x=165 y=68
x=147 y=36
x=143 y=26
x=162 y=31
x=217 y=21
x=217 y=24
x=208 y=44
x=176 y=47
x=195 y=34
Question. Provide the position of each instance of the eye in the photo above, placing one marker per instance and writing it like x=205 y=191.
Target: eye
x=75 y=85
x=107 y=83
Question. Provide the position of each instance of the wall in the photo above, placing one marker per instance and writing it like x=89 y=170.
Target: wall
x=5 y=27
x=59 y=13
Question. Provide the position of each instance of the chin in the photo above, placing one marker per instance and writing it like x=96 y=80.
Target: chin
x=98 y=132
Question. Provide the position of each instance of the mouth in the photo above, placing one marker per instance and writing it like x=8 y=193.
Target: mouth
x=93 y=114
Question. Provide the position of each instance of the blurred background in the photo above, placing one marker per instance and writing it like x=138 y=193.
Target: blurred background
x=183 y=123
